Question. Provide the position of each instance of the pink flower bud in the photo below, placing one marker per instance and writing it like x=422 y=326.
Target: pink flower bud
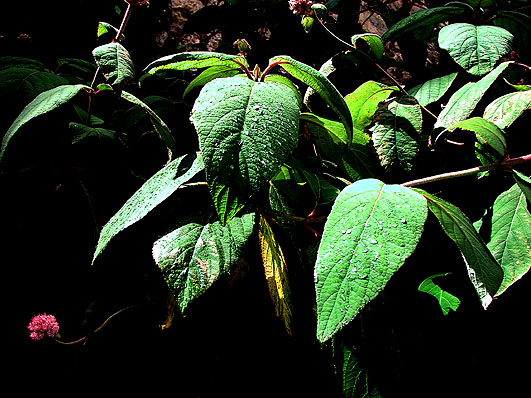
x=301 y=7
x=43 y=325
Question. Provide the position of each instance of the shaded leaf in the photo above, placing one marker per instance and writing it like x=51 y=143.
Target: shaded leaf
x=82 y=132
x=518 y=24
x=154 y=191
x=487 y=134
x=355 y=378
x=484 y=272
x=372 y=40
x=432 y=90
x=447 y=301
x=195 y=256
x=524 y=183
x=25 y=83
x=372 y=228
x=246 y=131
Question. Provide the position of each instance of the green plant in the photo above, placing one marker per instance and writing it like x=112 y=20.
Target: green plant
x=334 y=185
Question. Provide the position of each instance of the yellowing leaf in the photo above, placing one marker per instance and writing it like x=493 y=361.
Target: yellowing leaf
x=276 y=273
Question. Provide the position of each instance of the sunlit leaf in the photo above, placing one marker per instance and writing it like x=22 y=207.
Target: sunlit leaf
x=115 y=63
x=505 y=110
x=487 y=134
x=432 y=90
x=446 y=300
x=372 y=40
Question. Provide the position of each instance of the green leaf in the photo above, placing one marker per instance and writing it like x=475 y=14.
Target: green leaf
x=519 y=24
x=9 y=62
x=214 y=72
x=158 y=124
x=524 y=183
x=246 y=131
x=483 y=270
x=24 y=84
x=115 y=63
x=372 y=228
x=43 y=103
x=331 y=138
x=364 y=102
x=432 y=90
x=276 y=273
x=487 y=134
x=505 y=110
x=396 y=135
x=475 y=48
x=510 y=242
x=104 y=28
x=191 y=60
x=154 y=191
x=423 y=19
x=355 y=378
x=447 y=301
x=82 y=132
x=372 y=40
x=463 y=101
x=322 y=86
x=195 y=256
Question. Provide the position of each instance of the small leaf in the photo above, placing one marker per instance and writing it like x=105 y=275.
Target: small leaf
x=195 y=256
x=214 y=72
x=364 y=102
x=463 y=101
x=396 y=135
x=372 y=228
x=158 y=124
x=487 y=134
x=484 y=272
x=432 y=90
x=276 y=273
x=447 y=301
x=307 y=23
x=475 y=48
x=43 y=103
x=115 y=63
x=191 y=60
x=510 y=242
x=154 y=191
x=322 y=86
x=104 y=28
x=82 y=132
x=505 y=110
x=419 y=20
x=372 y=40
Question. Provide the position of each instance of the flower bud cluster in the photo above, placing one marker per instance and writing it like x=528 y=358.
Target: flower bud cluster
x=43 y=325
x=301 y=7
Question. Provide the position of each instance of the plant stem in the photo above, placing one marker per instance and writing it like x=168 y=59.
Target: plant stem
x=503 y=165
x=125 y=19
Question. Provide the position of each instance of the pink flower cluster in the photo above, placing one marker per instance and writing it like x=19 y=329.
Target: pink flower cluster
x=43 y=325
x=300 y=7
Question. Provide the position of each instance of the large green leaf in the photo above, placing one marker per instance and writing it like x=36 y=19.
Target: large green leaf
x=524 y=182
x=396 y=135
x=43 y=103
x=432 y=90
x=477 y=49
x=505 y=110
x=421 y=19
x=519 y=24
x=483 y=270
x=463 y=101
x=25 y=83
x=355 y=378
x=192 y=59
x=447 y=301
x=488 y=135
x=214 y=72
x=195 y=256
x=246 y=131
x=331 y=138
x=372 y=228
x=154 y=191
x=364 y=102
x=510 y=242
x=158 y=124
x=115 y=63
x=322 y=86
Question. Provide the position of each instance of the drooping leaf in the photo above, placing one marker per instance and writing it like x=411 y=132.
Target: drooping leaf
x=364 y=101
x=524 y=183
x=195 y=256
x=322 y=86
x=510 y=242
x=372 y=228
x=432 y=90
x=396 y=135
x=115 y=63
x=487 y=134
x=484 y=272
x=214 y=72
x=477 y=49
x=505 y=110
x=421 y=19
x=331 y=138
x=158 y=124
x=154 y=191
x=43 y=103
x=246 y=131
x=192 y=59
x=276 y=273
x=372 y=40
x=463 y=101
x=355 y=377
x=446 y=300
